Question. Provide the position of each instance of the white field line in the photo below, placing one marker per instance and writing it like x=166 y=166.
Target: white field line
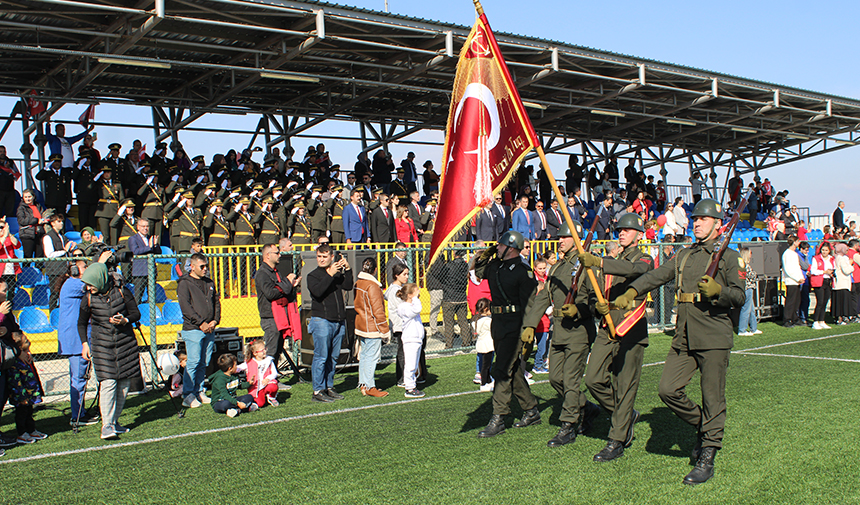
x=796 y=356
x=345 y=411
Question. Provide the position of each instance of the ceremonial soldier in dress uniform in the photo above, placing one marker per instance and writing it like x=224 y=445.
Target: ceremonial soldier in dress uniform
x=110 y=193
x=204 y=199
x=613 y=371
x=163 y=166
x=335 y=206
x=703 y=332
x=270 y=230
x=299 y=224
x=86 y=191
x=244 y=233
x=572 y=336
x=318 y=215
x=57 y=183
x=153 y=204
x=511 y=286
x=216 y=227
x=399 y=187
x=187 y=220
x=124 y=222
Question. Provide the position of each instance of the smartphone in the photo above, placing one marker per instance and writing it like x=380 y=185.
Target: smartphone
x=95 y=136
x=337 y=256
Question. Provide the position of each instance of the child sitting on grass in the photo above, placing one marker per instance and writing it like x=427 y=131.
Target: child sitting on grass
x=176 y=379
x=224 y=385
x=261 y=373
x=25 y=390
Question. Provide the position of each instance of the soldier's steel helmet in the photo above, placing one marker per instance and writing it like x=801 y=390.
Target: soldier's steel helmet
x=513 y=239
x=708 y=207
x=631 y=221
x=564 y=230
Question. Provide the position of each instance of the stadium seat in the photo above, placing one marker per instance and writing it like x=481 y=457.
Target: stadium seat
x=13 y=224
x=160 y=295
x=21 y=300
x=68 y=225
x=74 y=236
x=41 y=295
x=172 y=313
x=166 y=251
x=33 y=320
x=55 y=318
x=29 y=277
x=145 y=316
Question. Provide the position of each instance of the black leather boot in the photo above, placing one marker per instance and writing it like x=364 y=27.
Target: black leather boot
x=589 y=414
x=530 y=417
x=566 y=435
x=496 y=426
x=704 y=469
x=614 y=449
x=697 y=449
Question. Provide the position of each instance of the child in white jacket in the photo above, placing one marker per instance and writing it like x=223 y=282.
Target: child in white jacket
x=484 y=342
x=412 y=335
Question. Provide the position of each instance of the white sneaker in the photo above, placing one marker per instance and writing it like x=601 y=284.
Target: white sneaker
x=25 y=438
x=191 y=401
x=488 y=387
x=204 y=399
x=744 y=334
x=273 y=401
x=477 y=379
x=757 y=332
x=232 y=412
x=824 y=325
x=530 y=381
x=816 y=326
x=38 y=435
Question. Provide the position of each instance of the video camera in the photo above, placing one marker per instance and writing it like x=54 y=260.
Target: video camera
x=98 y=248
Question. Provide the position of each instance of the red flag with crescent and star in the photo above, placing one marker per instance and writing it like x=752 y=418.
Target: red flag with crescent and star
x=487 y=136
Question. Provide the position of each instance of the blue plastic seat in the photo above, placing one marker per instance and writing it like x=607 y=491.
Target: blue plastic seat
x=13 y=224
x=166 y=251
x=172 y=312
x=145 y=316
x=41 y=295
x=21 y=300
x=33 y=320
x=74 y=236
x=29 y=277
x=55 y=318
x=160 y=295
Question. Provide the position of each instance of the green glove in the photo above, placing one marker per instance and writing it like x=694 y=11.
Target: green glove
x=488 y=253
x=569 y=310
x=602 y=308
x=589 y=260
x=627 y=300
x=528 y=336
x=709 y=287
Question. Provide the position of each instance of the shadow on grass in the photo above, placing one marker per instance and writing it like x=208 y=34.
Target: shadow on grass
x=670 y=436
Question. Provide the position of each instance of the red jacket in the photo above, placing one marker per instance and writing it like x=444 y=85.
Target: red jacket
x=7 y=250
x=406 y=230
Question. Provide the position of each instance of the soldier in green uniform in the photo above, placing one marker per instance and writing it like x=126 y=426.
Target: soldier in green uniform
x=244 y=232
x=335 y=206
x=215 y=226
x=188 y=222
x=205 y=198
x=318 y=215
x=299 y=224
x=110 y=194
x=265 y=220
x=613 y=371
x=124 y=223
x=511 y=286
x=572 y=337
x=703 y=333
x=153 y=204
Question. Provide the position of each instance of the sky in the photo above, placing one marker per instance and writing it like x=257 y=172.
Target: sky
x=792 y=43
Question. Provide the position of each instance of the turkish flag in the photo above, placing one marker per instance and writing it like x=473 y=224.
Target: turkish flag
x=487 y=136
x=88 y=115
x=34 y=106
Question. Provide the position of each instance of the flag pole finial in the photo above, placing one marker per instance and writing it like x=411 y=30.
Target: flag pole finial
x=478 y=7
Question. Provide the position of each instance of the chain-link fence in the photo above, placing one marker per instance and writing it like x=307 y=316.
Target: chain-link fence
x=448 y=289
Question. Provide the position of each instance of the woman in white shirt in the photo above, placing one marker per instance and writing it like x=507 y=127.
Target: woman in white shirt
x=841 y=303
x=671 y=227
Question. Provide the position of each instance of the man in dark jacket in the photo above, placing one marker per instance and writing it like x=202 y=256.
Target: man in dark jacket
x=201 y=313
x=328 y=318
x=272 y=287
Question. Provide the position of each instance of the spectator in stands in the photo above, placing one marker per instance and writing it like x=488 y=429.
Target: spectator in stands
x=554 y=219
x=827 y=234
x=485 y=224
x=696 y=184
x=383 y=228
x=31 y=223
x=791 y=218
x=522 y=220
x=841 y=307
x=405 y=227
x=55 y=245
x=328 y=319
x=681 y=214
x=371 y=326
x=8 y=175
x=748 y=324
x=62 y=145
x=671 y=228
x=10 y=271
x=355 y=221
x=542 y=334
x=612 y=249
x=88 y=238
x=792 y=277
x=431 y=178
x=111 y=307
x=141 y=245
x=201 y=312
x=455 y=280
x=838 y=216
x=382 y=167
x=604 y=219
x=752 y=203
x=801 y=230
x=853 y=248
x=57 y=184
x=822 y=269
x=661 y=196
x=540 y=222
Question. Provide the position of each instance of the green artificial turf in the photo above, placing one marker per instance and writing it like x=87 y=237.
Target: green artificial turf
x=790 y=438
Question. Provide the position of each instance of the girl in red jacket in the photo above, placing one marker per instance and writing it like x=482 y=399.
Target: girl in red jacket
x=261 y=373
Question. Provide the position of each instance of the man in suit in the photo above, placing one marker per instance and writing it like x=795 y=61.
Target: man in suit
x=355 y=219
x=522 y=220
x=485 y=224
x=502 y=216
x=415 y=212
x=540 y=224
x=411 y=173
x=575 y=200
x=140 y=245
x=554 y=219
x=382 y=222
x=838 y=218
x=604 y=219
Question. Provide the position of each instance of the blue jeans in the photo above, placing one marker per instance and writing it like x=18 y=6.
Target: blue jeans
x=199 y=347
x=748 y=319
x=77 y=382
x=328 y=336
x=542 y=340
x=222 y=406
x=371 y=350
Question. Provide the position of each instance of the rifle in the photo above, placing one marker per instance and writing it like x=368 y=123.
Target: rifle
x=727 y=236
x=586 y=246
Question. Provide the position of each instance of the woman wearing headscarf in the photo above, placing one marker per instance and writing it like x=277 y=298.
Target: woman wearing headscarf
x=112 y=309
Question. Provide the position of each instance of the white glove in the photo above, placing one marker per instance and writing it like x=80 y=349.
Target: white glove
x=224 y=184
x=313 y=172
x=200 y=179
x=335 y=194
x=158 y=152
x=212 y=209
x=241 y=167
x=183 y=202
x=254 y=193
x=81 y=162
x=234 y=194
x=295 y=209
x=175 y=178
x=121 y=211
x=98 y=176
x=272 y=182
x=177 y=196
x=291 y=184
x=277 y=194
x=309 y=185
x=314 y=195
x=296 y=196
x=150 y=179
x=249 y=183
x=428 y=208
x=549 y=311
x=237 y=208
x=208 y=192
x=221 y=173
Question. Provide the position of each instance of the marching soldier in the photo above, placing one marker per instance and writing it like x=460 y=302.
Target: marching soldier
x=244 y=234
x=153 y=204
x=110 y=193
x=703 y=333
x=270 y=230
x=187 y=221
x=335 y=206
x=613 y=371
x=299 y=224
x=216 y=227
x=511 y=287
x=572 y=337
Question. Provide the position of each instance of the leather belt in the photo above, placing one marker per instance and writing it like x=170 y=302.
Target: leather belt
x=218 y=235
x=505 y=309
x=243 y=233
x=689 y=297
x=102 y=200
x=151 y=204
x=337 y=217
x=187 y=234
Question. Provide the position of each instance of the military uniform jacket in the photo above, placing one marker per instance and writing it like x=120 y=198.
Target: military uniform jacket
x=58 y=188
x=244 y=233
x=126 y=226
x=270 y=230
x=217 y=230
x=630 y=265
x=301 y=229
x=559 y=278
x=318 y=216
x=335 y=208
x=399 y=188
x=187 y=222
x=511 y=284
x=704 y=324
x=153 y=205
x=110 y=196
x=86 y=189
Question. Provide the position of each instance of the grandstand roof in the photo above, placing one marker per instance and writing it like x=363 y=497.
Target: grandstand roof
x=308 y=61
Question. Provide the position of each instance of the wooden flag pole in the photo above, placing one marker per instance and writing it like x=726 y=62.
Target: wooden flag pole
x=576 y=240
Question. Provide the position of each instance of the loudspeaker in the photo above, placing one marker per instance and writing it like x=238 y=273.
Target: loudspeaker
x=767 y=298
x=306 y=348
x=227 y=340
x=765 y=257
